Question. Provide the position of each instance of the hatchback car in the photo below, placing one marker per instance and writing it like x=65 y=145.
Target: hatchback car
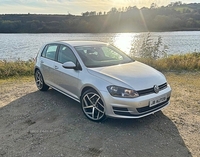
x=106 y=81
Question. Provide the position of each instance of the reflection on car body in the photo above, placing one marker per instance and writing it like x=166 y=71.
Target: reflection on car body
x=106 y=81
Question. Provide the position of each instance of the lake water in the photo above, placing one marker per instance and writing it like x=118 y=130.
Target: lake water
x=26 y=46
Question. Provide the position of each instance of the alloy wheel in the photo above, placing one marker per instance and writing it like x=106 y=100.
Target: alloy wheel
x=93 y=106
x=40 y=81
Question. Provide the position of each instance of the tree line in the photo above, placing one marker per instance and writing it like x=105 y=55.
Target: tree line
x=175 y=16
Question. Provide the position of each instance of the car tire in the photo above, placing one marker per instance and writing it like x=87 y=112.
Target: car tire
x=93 y=106
x=40 y=81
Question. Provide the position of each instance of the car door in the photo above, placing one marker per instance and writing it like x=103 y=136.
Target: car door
x=66 y=80
x=48 y=60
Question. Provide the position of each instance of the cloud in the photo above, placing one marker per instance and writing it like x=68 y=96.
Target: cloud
x=73 y=6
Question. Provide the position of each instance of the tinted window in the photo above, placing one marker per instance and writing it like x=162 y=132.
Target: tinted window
x=110 y=53
x=65 y=54
x=102 y=55
x=50 y=51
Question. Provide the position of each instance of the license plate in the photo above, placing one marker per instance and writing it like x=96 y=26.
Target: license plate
x=157 y=101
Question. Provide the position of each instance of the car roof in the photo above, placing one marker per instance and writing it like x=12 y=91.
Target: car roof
x=81 y=43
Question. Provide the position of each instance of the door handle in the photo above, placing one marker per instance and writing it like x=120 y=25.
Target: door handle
x=42 y=62
x=56 y=67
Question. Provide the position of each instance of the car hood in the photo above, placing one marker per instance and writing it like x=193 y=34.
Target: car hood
x=136 y=75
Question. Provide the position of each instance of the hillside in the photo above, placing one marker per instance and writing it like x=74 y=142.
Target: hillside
x=173 y=17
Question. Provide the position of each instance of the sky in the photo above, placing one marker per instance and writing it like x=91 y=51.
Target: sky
x=74 y=7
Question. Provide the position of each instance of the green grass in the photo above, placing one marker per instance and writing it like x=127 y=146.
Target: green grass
x=187 y=62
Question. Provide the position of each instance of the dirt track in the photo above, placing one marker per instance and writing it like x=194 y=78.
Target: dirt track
x=34 y=123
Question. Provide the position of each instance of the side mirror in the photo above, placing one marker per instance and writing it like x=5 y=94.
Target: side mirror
x=69 y=65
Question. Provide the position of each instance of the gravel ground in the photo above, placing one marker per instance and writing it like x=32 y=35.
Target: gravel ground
x=34 y=123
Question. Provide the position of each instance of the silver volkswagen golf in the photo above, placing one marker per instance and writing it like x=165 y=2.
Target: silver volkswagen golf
x=102 y=78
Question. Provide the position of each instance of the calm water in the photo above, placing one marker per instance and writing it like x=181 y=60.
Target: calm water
x=26 y=46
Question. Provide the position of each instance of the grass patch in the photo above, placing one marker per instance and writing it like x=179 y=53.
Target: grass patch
x=16 y=68
x=18 y=79
x=185 y=62
x=178 y=63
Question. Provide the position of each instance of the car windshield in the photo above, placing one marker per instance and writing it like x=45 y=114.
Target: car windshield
x=102 y=55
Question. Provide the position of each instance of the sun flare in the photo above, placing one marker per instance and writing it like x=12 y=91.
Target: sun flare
x=124 y=41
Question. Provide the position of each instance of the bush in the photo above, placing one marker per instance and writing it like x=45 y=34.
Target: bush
x=150 y=49
x=155 y=55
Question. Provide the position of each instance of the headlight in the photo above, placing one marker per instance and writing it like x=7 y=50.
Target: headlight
x=122 y=92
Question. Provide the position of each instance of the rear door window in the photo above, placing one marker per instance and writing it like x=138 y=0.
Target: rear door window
x=50 y=51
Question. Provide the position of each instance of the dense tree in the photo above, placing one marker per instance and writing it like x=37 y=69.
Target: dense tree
x=175 y=16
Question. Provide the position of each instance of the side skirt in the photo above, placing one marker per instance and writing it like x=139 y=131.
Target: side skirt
x=68 y=95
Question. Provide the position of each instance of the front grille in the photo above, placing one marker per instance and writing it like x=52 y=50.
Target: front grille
x=150 y=109
x=151 y=90
x=142 y=111
x=163 y=86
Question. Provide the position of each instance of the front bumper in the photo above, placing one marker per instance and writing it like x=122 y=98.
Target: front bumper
x=134 y=107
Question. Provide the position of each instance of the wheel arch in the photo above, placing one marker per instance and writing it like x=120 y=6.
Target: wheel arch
x=93 y=88
x=36 y=68
x=87 y=88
